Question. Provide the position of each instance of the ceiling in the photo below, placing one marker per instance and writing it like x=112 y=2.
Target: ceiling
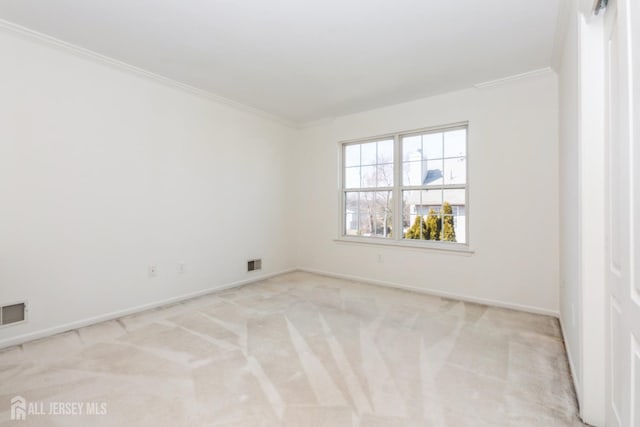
x=304 y=61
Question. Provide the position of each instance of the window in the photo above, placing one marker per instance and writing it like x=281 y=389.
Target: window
x=368 y=183
x=413 y=182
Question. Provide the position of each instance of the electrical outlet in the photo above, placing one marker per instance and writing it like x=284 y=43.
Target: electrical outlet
x=182 y=268
x=380 y=259
x=153 y=271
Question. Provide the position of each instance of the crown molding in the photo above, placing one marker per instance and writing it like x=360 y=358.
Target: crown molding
x=513 y=78
x=82 y=52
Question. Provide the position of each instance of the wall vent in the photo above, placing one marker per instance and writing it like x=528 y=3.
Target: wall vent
x=254 y=264
x=13 y=313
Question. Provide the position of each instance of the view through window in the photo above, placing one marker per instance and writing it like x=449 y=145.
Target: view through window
x=421 y=175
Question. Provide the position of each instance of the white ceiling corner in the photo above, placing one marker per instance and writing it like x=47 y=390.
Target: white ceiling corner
x=302 y=62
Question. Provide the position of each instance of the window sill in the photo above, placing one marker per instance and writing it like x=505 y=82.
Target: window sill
x=453 y=248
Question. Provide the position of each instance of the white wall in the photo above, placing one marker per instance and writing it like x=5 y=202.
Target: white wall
x=513 y=175
x=582 y=182
x=104 y=172
x=570 y=242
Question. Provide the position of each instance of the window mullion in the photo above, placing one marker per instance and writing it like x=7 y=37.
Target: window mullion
x=397 y=185
x=358 y=215
x=443 y=178
x=368 y=189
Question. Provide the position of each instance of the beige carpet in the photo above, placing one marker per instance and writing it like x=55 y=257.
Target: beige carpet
x=299 y=350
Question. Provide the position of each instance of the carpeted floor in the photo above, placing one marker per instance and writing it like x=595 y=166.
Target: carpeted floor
x=299 y=350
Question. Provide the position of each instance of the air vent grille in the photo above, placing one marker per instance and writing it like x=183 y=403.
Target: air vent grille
x=13 y=313
x=254 y=264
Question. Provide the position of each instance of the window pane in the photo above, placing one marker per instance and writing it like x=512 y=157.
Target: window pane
x=455 y=143
x=412 y=173
x=460 y=223
x=385 y=151
x=368 y=176
x=352 y=177
x=374 y=213
x=368 y=153
x=351 y=214
x=432 y=146
x=454 y=216
x=455 y=197
x=385 y=176
x=352 y=155
x=431 y=199
x=422 y=218
x=448 y=224
x=383 y=217
x=411 y=148
x=455 y=171
x=410 y=200
x=365 y=213
x=433 y=173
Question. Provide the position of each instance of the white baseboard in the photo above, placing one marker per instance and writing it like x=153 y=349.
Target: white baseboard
x=20 y=339
x=574 y=376
x=435 y=292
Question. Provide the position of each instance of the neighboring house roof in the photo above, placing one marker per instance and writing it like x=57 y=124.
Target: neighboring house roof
x=432 y=175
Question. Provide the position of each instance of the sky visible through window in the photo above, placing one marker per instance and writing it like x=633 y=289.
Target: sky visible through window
x=433 y=174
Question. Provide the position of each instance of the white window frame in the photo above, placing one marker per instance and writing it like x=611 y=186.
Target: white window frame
x=397 y=238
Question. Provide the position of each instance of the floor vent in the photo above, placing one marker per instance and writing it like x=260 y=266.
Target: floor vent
x=13 y=313
x=254 y=264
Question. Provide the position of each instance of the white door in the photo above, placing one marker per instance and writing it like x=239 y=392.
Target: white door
x=622 y=45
